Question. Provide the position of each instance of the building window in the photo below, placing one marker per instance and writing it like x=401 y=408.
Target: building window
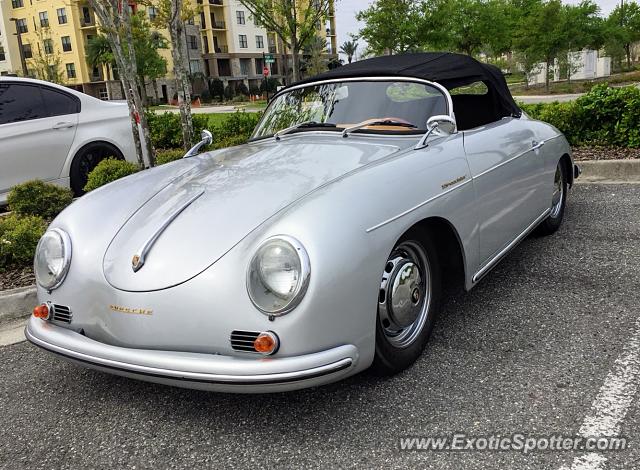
x=243 y=41
x=192 y=41
x=21 y=24
x=86 y=16
x=194 y=66
x=62 y=15
x=66 y=43
x=2 y=56
x=44 y=19
x=53 y=71
x=153 y=13
x=203 y=23
x=17 y=3
x=48 y=46
x=205 y=43
x=240 y=16
x=26 y=51
x=245 y=67
x=71 y=70
x=259 y=42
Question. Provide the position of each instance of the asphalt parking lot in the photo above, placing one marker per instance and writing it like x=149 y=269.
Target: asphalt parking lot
x=548 y=341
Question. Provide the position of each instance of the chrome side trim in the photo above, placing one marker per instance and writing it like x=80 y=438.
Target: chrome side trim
x=258 y=379
x=493 y=261
x=417 y=206
x=146 y=247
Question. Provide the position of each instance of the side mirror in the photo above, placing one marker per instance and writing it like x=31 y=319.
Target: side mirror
x=207 y=139
x=443 y=123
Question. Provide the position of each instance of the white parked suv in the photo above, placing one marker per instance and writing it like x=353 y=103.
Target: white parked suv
x=52 y=133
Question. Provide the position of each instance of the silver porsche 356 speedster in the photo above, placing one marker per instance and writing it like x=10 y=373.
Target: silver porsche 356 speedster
x=316 y=250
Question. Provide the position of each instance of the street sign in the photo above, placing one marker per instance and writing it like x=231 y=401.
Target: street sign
x=265 y=71
x=269 y=59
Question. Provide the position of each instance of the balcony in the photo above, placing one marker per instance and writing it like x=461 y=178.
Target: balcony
x=222 y=49
x=215 y=2
x=87 y=23
x=218 y=25
x=272 y=49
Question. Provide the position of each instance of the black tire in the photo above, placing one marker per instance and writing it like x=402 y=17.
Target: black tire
x=86 y=160
x=391 y=356
x=552 y=223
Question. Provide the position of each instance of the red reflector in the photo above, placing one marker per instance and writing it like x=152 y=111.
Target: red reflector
x=41 y=311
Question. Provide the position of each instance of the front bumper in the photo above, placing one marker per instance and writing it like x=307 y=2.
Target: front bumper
x=197 y=370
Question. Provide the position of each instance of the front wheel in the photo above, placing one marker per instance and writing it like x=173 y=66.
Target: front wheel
x=408 y=301
x=558 y=201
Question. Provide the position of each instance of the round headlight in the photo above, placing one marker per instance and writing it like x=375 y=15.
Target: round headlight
x=53 y=257
x=278 y=275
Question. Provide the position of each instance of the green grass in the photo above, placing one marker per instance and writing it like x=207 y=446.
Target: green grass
x=576 y=86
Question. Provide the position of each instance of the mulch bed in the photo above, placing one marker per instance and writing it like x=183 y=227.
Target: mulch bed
x=17 y=277
x=605 y=153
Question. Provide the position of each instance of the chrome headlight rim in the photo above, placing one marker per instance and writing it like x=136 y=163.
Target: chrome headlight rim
x=66 y=259
x=303 y=281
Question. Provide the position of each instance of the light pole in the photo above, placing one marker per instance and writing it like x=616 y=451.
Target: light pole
x=21 y=52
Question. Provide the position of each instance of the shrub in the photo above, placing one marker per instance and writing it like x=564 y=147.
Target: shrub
x=216 y=88
x=229 y=92
x=254 y=90
x=39 y=198
x=168 y=155
x=269 y=84
x=109 y=170
x=165 y=130
x=242 y=89
x=604 y=116
x=205 y=96
x=238 y=124
x=19 y=237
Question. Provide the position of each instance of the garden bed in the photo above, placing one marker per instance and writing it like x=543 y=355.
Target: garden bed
x=605 y=153
x=17 y=277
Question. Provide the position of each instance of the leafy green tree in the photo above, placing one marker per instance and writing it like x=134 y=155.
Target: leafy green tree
x=216 y=88
x=622 y=30
x=295 y=22
x=582 y=27
x=149 y=63
x=349 y=48
x=391 y=26
x=315 y=60
x=99 y=54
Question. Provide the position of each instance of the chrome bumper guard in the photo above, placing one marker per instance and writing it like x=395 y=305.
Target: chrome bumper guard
x=189 y=367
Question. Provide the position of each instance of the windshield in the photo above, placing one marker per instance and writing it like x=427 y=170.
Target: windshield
x=398 y=106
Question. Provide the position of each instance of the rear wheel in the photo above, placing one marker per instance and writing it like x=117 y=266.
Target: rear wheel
x=86 y=160
x=558 y=201
x=408 y=301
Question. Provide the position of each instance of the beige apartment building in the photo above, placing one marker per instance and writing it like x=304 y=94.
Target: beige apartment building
x=223 y=42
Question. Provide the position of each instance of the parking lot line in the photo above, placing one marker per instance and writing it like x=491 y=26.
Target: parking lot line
x=612 y=402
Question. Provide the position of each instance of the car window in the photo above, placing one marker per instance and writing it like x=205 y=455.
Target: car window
x=20 y=102
x=59 y=103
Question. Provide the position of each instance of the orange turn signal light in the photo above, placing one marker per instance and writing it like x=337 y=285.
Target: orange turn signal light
x=41 y=311
x=266 y=343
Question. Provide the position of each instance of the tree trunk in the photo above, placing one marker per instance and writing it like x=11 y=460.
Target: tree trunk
x=176 y=31
x=546 y=76
x=143 y=92
x=627 y=49
x=295 y=74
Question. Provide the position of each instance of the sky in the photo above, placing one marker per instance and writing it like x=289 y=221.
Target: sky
x=346 y=17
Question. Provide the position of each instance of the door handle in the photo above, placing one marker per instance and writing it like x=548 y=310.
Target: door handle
x=536 y=145
x=62 y=125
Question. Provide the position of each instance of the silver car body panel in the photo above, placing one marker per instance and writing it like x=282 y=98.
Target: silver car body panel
x=348 y=201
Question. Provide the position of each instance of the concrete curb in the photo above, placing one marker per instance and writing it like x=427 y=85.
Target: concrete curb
x=17 y=303
x=594 y=171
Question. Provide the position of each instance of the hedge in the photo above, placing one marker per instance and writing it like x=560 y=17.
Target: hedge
x=166 y=130
x=19 y=236
x=36 y=197
x=109 y=170
x=605 y=116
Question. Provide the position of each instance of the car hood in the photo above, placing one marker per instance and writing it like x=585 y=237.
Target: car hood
x=202 y=213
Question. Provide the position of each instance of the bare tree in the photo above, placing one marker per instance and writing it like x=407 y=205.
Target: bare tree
x=295 y=22
x=115 y=18
x=173 y=14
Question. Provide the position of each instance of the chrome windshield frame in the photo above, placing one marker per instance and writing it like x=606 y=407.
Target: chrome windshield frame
x=381 y=78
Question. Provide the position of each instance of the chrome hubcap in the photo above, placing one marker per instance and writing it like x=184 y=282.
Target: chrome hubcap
x=558 y=189
x=405 y=294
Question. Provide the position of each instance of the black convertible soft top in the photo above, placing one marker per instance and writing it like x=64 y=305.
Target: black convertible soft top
x=446 y=68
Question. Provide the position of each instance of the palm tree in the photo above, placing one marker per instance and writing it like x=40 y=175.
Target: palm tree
x=99 y=54
x=349 y=48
